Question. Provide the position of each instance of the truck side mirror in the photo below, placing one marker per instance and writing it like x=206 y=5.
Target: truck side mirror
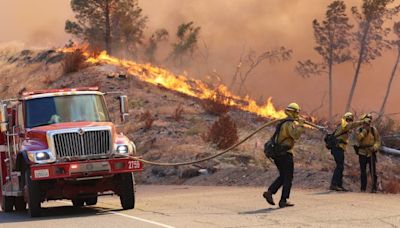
x=3 y=117
x=124 y=108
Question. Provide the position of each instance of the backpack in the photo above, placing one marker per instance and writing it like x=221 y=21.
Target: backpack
x=272 y=149
x=331 y=140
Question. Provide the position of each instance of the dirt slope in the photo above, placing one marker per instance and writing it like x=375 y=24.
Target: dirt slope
x=173 y=140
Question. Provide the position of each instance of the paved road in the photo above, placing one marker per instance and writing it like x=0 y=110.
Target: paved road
x=187 y=206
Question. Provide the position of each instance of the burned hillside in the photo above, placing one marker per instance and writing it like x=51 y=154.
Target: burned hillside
x=170 y=126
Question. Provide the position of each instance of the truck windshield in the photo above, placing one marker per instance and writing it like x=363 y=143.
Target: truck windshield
x=72 y=108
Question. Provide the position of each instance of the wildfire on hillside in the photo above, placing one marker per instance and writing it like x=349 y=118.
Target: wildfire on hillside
x=191 y=87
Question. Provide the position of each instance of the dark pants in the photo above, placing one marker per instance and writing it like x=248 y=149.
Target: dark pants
x=285 y=167
x=371 y=161
x=337 y=178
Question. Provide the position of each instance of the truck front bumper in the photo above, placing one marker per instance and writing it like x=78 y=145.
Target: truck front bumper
x=85 y=169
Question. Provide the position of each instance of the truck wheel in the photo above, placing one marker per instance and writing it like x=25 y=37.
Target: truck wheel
x=127 y=191
x=91 y=201
x=34 y=195
x=20 y=204
x=78 y=202
x=7 y=203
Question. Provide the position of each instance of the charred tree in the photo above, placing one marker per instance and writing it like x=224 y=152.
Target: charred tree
x=152 y=44
x=111 y=25
x=188 y=36
x=396 y=29
x=371 y=37
x=333 y=39
x=246 y=67
x=107 y=35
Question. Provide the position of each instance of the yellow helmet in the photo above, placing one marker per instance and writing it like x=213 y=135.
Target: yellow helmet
x=348 y=116
x=293 y=107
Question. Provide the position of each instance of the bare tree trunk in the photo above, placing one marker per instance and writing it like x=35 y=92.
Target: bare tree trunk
x=235 y=75
x=237 y=71
x=359 y=63
x=330 y=92
x=242 y=80
x=382 y=110
x=107 y=37
x=330 y=74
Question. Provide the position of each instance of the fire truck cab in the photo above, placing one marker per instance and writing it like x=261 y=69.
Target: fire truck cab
x=61 y=144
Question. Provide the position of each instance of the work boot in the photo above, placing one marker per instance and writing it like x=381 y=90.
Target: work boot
x=283 y=204
x=373 y=191
x=335 y=188
x=268 y=197
x=343 y=189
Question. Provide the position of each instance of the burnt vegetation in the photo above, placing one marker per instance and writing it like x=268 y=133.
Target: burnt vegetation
x=391 y=186
x=74 y=61
x=223 y=133
x=147 y=119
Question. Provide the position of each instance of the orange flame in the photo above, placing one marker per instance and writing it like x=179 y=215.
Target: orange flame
x=191 y=87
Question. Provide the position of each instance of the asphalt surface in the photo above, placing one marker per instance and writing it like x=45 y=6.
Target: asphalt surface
x=188 y=206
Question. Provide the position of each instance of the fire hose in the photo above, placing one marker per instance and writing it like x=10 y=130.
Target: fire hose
x=226 y=150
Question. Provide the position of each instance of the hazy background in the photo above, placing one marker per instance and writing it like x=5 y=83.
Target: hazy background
x=226 y=27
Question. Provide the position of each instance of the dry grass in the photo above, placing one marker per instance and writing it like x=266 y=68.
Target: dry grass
x=74 y=61
x=392 y=186
x=177 y=115
x=148 y=120
x=223 y=133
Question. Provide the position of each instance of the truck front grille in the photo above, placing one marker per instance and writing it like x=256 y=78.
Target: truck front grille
x=81 y=144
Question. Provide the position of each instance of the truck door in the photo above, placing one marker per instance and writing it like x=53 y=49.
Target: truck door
x=3 y=156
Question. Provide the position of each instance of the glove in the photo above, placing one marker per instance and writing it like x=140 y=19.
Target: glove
x=299 y=122
x=375 y=148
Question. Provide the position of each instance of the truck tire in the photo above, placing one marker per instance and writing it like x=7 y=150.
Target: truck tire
x=91 y=201
x=7 y=203
x=20 y=204
x=127 y=191
x=34 y=195
x=78 y=202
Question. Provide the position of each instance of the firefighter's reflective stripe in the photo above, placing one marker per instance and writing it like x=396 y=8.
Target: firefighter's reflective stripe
x=3 y=148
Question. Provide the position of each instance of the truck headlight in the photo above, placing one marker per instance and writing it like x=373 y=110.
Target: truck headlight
x=41 y=156
x=122 y=149
x=125 y=148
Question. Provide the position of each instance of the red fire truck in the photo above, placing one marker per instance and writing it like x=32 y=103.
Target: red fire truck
x=61 y=144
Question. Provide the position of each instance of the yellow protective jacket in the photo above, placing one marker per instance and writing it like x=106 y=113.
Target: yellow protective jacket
x=343 y=130
x=289 y=134
x=369 y=141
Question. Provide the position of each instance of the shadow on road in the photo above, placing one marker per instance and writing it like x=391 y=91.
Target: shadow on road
x=327 y=193
x=259 y=211
x=52 y=213
x=322 y=193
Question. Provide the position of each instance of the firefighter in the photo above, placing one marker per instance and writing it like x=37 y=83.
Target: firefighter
x=369 y=142
x=290 y=131
x=338 y=150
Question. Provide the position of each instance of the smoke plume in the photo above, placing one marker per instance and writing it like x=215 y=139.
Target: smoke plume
x=227 y=28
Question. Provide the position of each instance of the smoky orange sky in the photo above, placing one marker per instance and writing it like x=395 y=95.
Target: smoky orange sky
x=226 y=27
